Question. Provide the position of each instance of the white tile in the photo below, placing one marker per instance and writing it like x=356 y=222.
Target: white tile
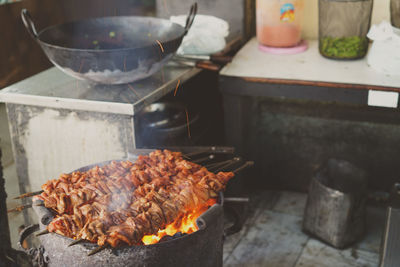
x=375 y=223
x=258 y=203
x=12 y=187
x=15 y=219
x=291 y=203
x=4 y=133
x=275 y=239
x=5 y=140
x=383 y=99
x=317 y=253
x=7 y=157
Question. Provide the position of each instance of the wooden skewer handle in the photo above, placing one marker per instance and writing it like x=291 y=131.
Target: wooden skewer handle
x=44 y=232
x=203 y=159
x=75 y=242
x=98 y=249
x=233 y=162
x=222 y=163
x=236 y=199
x=29 y=194
x=244 y=166
x=20 y=208
x=221 y=59
x=208 y=65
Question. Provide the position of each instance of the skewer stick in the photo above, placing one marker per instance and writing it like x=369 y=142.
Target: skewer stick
x=244 y=166
x=44 y=232
x=236 y=199
x=201 y=151
x=75 y=242
x=222 y=164
x=176 y=88
x=229 y=164
x=9 y=258
x=97 y=250
x=160 y=45
x=26 y=206
x=217 y=164
x=187 y=122
x=29 y=194
x=20 y=208
x=200 y=160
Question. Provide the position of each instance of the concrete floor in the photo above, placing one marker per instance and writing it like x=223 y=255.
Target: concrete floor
x=15 y=219
x=272 y=236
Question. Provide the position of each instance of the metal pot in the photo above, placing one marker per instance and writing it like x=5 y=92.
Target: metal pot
x=166 y=123
x=162 y=115
x=111 y=50
x=201 y=248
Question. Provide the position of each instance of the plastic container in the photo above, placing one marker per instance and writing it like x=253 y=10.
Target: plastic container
x=343 y=28
x=279 y=23
x=395 y=13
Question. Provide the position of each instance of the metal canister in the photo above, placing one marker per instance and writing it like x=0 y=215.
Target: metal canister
x=335 y=210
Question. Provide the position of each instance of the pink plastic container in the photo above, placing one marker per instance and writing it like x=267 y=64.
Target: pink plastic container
x=279 y=22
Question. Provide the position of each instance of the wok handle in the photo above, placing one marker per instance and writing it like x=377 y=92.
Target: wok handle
x=190 y=17
x=38 y=255
x=28 y=22
x=237 y=221
x=208 y=65
x=27 y=231
x=220 y=59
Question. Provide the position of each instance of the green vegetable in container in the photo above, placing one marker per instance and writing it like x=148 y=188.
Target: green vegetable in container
x=343 y=48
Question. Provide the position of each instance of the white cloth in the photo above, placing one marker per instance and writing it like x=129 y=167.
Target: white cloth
x=384 y=54
x=206 y=36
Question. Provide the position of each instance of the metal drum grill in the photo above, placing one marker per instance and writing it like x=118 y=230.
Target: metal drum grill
x=201 y=248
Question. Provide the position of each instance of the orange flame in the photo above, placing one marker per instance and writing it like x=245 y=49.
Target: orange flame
x=184 y=224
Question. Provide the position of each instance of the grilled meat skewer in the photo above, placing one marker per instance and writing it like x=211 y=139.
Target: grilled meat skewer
x=159 y=208
x=121 y=202
x=29 y=194
x=22 y=207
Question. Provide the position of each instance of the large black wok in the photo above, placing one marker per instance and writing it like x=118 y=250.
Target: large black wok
x=111 y=50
